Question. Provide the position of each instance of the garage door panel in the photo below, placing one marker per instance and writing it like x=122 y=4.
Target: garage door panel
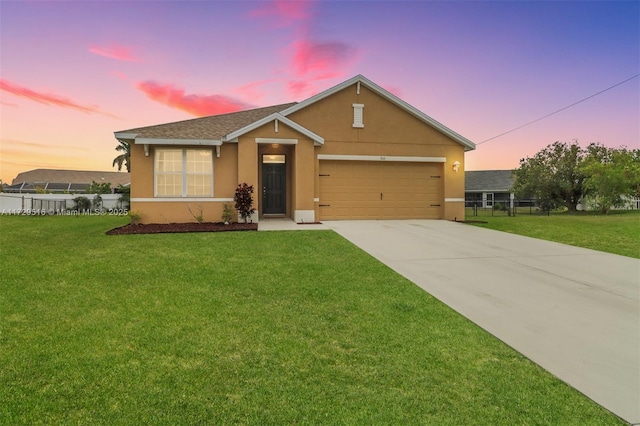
x=352 y=190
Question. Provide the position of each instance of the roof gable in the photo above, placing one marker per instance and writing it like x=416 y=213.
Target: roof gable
x=361 y=80
x=318 y=140
x=489 y=181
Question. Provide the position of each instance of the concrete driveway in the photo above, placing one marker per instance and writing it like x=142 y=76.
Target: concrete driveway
x=573 y=311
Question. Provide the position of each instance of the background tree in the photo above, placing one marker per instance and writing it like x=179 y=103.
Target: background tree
x=553 y=176
x=124 y=157
x=99 y=188
x=612 y=175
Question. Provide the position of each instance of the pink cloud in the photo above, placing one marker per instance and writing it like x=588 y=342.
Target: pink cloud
x=253 y=90
x=298 y=88
x=121 y=53
x=48 y=99
x=198 y=105
x=9 y=104
x=310 y=61
x=310 y=56
x=120 y=75
x=285 y=12
x=313 y=62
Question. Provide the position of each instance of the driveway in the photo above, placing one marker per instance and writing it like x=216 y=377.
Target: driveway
x=573 y=311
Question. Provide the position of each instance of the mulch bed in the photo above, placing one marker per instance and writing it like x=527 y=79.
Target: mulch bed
x=168 y=228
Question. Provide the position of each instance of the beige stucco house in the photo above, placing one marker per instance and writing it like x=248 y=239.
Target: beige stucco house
x=354 y=151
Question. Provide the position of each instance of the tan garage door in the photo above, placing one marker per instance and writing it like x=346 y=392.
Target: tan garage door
x=380 y=190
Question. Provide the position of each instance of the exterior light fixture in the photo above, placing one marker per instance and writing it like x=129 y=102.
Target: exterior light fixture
x=456 y=166
x=275 y=145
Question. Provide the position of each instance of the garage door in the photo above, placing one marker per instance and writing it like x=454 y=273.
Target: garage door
x=380 y=190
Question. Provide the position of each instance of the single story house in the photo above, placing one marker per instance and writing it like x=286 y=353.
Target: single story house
x=64 y=181
x=483 y=188
x=354 y=151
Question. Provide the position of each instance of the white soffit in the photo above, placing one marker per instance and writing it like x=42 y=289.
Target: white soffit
x=152 y=141
x=382 y=158
x=278 y=141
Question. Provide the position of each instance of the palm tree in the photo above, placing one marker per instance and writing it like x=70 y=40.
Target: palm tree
x=124 y=157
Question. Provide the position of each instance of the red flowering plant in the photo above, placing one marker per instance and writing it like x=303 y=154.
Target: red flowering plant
x=244 y=201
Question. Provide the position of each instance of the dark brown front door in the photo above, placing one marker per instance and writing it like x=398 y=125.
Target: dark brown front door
x=274 y=189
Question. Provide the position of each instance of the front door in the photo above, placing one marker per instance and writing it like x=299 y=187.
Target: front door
x=274 y=188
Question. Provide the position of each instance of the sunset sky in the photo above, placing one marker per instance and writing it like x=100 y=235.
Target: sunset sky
x=73 y=72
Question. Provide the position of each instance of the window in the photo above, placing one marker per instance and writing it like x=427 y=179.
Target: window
x=488 y=199
x=183 y=172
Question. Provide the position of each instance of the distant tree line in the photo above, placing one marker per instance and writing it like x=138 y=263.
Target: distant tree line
x=564 y=175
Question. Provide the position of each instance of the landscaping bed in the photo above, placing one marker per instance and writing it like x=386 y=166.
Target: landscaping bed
x=168 y=228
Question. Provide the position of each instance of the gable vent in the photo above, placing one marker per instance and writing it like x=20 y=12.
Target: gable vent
x=358 y=115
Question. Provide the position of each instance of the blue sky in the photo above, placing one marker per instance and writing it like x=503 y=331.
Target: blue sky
x=72 y=73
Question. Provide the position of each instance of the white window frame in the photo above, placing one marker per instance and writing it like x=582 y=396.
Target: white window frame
x=184 y=174
x=487 y=199
x=358 y=116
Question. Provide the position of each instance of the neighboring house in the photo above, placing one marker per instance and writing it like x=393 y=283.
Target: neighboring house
x=354 y=151
x=484 y=188
x=64 y=181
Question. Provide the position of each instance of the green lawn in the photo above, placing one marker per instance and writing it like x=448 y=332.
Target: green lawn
x=617 y=232
x=244 y=328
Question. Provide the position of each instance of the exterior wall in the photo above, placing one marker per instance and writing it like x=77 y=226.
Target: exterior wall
x=304 y=183
x=159 y=210
x=300 y=166
x=388 y=131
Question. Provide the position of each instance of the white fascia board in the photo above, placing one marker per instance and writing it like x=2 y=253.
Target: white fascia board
x=153 y=141
x=382 y=158
x=181 y=200
x=469 y=146
x=318 y=140
x=125 y=135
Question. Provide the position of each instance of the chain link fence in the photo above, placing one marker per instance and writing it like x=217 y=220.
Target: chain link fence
x=505 y=207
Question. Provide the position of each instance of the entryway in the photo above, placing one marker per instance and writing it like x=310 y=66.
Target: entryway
x=274 y=184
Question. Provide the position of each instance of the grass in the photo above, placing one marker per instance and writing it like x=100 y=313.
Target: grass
x=617 y=232
x=244 y=328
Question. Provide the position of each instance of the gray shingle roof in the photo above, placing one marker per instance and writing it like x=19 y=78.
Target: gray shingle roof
x=488 y=181
x=212 y=127
x=84 y=177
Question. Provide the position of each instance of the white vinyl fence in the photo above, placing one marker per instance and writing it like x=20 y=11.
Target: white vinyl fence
x=51 y=204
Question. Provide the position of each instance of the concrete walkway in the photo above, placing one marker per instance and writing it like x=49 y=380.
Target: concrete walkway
x=575 y=312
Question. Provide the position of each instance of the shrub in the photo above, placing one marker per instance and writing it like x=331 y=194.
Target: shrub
x=227 y=215
x=81 y=203
x=97 y=202
x=134 y=217
x=125 y=196
x=198 y=217
x=502 y=207
x=244 y=201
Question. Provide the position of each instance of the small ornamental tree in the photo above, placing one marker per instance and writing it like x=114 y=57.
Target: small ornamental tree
x=244 y=201
x=99 y=188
